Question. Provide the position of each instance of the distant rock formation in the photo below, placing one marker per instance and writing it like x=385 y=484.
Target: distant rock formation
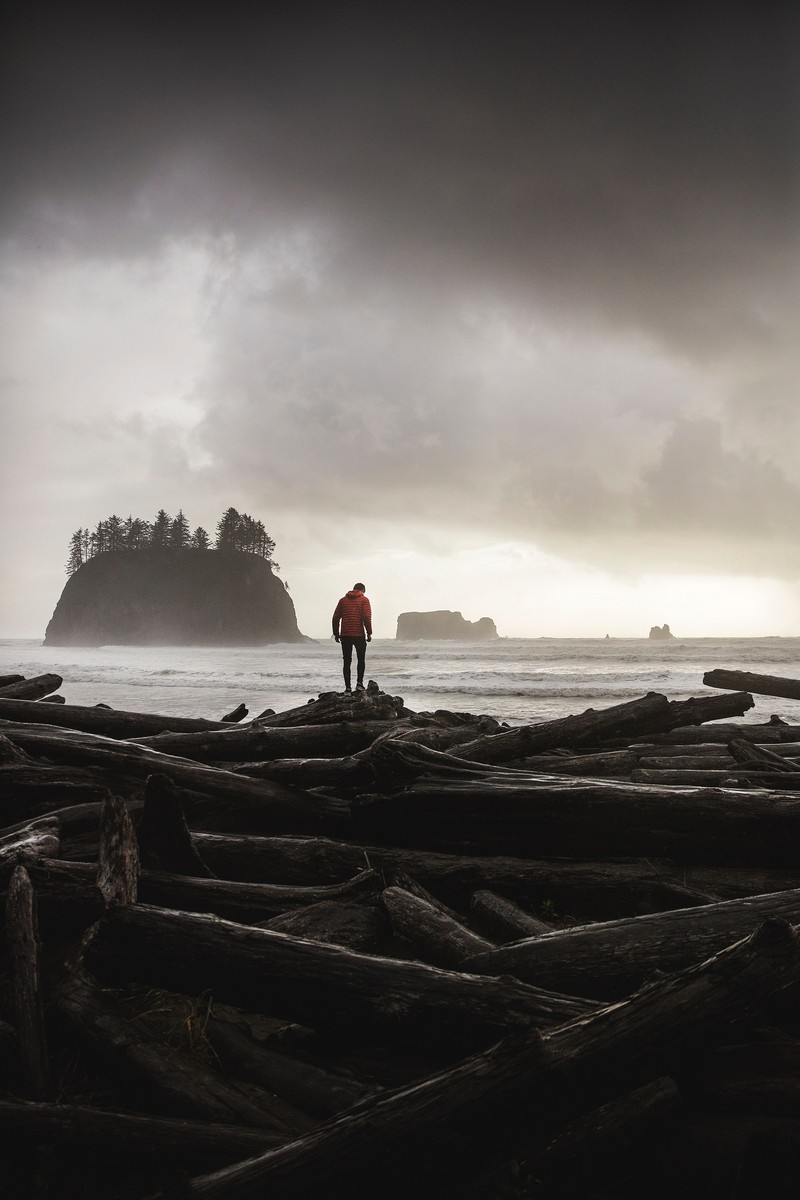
x=445 y=626
x=158 y=597
x=662 y=631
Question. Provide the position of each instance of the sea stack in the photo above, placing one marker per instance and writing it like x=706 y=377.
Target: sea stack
x=662 y=632
x=443 y=625
x=166 y=597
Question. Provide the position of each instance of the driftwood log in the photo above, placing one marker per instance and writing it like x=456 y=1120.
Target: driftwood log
x=106 y=722
x=31 y=689
x=552 y=815
x=762 y=685
x=320 y=985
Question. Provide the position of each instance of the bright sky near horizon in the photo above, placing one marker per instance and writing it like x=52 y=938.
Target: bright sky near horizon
x=494 y=307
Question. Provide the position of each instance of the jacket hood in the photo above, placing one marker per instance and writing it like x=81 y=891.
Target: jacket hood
x=353 y=592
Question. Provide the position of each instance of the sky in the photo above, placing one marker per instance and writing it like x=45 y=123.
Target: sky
x=492 y=307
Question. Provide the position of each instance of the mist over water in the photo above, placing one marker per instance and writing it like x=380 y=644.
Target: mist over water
x=515 y=680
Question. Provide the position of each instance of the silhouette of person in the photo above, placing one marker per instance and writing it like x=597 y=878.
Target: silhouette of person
x=352 y=628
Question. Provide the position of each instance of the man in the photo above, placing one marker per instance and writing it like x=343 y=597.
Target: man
x=352 y=628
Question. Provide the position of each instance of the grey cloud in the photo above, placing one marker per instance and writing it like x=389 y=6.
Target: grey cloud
x=523 y=269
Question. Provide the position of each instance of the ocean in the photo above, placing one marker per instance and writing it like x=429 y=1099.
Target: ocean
x=516 y=680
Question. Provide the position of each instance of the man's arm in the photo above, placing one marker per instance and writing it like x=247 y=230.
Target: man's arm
x=337 y=614
x=366 y=617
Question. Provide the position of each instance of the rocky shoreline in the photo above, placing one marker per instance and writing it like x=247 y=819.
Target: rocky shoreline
x=354 y=948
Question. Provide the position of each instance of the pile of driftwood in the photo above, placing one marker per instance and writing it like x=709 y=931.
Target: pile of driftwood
x=354 y=949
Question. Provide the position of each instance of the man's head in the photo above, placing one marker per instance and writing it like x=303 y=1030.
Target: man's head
x=359 y=587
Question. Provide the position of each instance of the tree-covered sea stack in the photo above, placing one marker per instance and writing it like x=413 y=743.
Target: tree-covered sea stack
x=134 y=582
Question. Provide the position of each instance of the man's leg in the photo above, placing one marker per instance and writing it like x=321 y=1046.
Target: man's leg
x=347 y=658
x=361 y=656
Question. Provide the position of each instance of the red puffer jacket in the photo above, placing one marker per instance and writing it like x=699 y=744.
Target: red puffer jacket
x=355 y=613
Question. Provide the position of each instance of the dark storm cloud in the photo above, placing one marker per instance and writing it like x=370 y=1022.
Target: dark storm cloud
x=492 y=264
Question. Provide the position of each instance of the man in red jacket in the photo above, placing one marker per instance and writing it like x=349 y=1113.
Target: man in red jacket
x=352 y=628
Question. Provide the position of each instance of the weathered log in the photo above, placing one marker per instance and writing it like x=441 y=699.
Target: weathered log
x=648 y=715
x=100 y=719
x=609 y=959
x=506 y=813
x=26 y=995
x=94 y=1131
x=255 y=743
x=28 y=788
x=432 y=1134
x=503 y=919
x=38 y=839
x=590 y=726
x=443 y=941
x=237 y=714
x=31 y=689
x=274 y=803
x=334 y=708
x=748 y=681
x=589 y=888
x=680 y=777
x=774 y=730
x=63 y=886
x=165 y=843
x=175 y=1082
x=307 y=1087
x=699 y=709
x=348 y=772
x=361 y=927
x=323 y=986
x=614 y=763
x=5 y=680
x=118 y=857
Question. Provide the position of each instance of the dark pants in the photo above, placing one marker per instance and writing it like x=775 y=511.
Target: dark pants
x=348 y=644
